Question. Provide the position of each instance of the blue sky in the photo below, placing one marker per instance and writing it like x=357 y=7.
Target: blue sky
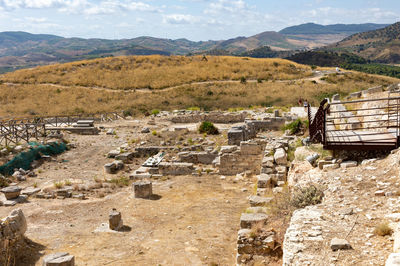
x=192 y=19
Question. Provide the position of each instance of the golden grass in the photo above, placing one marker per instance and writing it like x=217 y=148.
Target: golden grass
x=26 y=99
x=156 y=72
x=74 y=93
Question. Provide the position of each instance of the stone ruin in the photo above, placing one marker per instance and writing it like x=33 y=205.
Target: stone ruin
x=214 y=117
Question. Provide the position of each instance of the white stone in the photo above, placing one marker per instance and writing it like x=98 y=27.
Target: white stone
x=280 y=156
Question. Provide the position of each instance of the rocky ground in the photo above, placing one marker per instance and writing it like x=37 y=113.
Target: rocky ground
x=356 y=201
x=191 y=220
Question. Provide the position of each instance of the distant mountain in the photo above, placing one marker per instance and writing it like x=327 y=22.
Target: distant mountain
x=313 y=35
x=382 y=45
x=312 y=28
x=22 y=49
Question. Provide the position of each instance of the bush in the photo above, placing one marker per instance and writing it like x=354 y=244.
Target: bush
x=383 y=229
x=243 y=80
x=209 y=128
x=155 y=112
x=126 y=113
x=295 y=127
x=303 y=197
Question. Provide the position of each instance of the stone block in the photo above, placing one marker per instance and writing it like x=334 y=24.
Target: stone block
x=11 y=192
x=331 y=166
x=59 y=259
x=228 y=149
x=175 y=168
x=337 y=244
x=280 y=156
x=264 y=181
x=348 y=164
x=259 y=201
x=249 y=148
x=248 y=220
x=115 y=220
x=143 y=189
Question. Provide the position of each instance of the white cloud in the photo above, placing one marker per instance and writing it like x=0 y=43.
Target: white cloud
x=180 y=19
x=226 y=6
x=81 y=6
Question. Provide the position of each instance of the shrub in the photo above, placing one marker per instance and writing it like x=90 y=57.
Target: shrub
x=243 y=80
x=58 y=185
x=305 y=196
x=295 y=127
x=126 y=113
x=154 y=133
x=209 y=128
x=383 y=229
x=155 y=112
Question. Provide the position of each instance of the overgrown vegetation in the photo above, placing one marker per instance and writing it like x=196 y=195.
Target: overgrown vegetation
x=306 y=196
x=296 y=126
x=209 y=128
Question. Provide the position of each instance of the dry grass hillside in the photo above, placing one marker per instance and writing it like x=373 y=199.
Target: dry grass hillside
x=157 y=72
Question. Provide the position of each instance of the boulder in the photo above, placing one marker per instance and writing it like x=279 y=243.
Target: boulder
x=259 y=201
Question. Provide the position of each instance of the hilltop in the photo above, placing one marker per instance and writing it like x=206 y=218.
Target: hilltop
x=140 y=84
x=382 y=45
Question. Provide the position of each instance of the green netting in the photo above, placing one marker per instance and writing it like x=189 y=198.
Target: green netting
x=24 y=159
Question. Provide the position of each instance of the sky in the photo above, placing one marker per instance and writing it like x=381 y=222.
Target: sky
x=191 y=19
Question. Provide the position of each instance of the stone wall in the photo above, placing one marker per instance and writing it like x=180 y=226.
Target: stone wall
x=246 y=158
x=197 y=157
x=251 y=127
x=215 y=117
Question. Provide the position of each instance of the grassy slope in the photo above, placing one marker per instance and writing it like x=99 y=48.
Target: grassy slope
x=156 y=72
x=27 y=99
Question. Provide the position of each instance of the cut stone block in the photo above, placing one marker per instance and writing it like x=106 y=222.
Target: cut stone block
x=280 y=156
x=338 y=243
x=115 y=220
x=264 y=181
x=143 y=189
x=348 y=164
x=11 y=192
x=248 y=220
x=331 y=166
x=59 y=259
x=259 y=201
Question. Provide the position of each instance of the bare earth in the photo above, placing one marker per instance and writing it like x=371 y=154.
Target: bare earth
x=193 y=220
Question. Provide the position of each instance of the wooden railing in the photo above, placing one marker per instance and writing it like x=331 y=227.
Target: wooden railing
x=13 y=131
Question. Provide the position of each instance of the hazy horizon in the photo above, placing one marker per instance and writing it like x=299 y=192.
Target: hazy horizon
x=196 y=20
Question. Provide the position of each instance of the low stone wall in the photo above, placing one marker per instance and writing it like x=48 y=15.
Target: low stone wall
x=215 y=117
x=245 y=158
x=197 y=157
x=174 y=168
x=251 y=127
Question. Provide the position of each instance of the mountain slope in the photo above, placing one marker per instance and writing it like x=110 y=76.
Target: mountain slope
x=382 y=45
x=312 y=28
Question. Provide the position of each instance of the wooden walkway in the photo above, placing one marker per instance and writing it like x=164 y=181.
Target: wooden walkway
x=372 y=124
x=360 y=140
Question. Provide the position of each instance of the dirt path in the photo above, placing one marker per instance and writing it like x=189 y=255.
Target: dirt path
x=316 y=77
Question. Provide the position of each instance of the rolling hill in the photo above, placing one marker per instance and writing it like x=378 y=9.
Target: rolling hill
x=22 y=49
x=381 y=46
